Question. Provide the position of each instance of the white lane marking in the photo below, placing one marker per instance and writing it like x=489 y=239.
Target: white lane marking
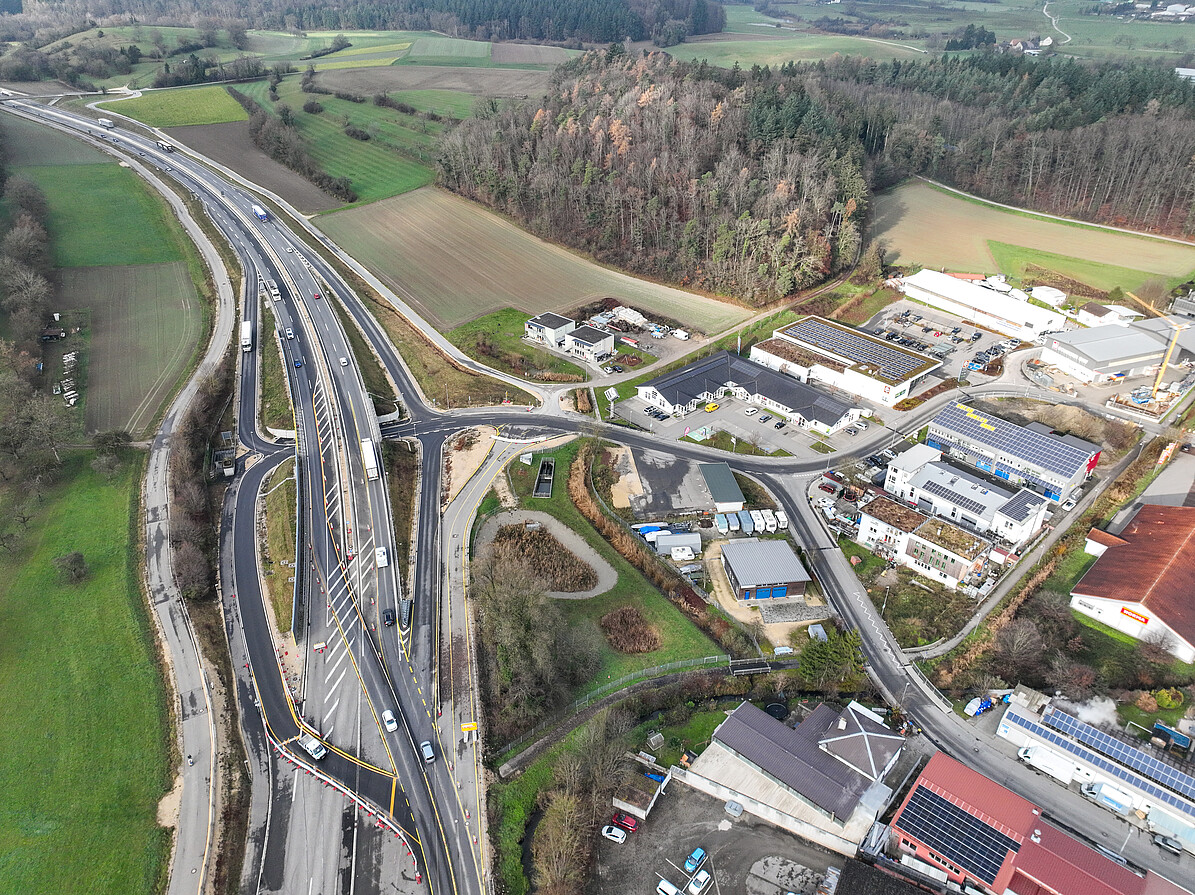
x=332 y=689
x=328 y=714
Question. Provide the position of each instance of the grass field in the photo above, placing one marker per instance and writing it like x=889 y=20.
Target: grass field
x=118 y=221
x=85 y=712
x=280 y=542
x=926 y=226
x=141 y=324
x=455 y=261
x=181 y=106
x=504 y=331
x=28 y=143
x=775 y=52
x=276 y=412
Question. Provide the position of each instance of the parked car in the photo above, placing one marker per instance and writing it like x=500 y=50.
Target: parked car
x=625 y=821
x=614 y=834
x=751 y=411
x=780 y=424
x=696 y=859
x=698 y=883
x=851 y=430
x=1170 y=844
x=711 y=407
x=765 y=417
x=829 y=489
x=976 y=336
x=617 y=368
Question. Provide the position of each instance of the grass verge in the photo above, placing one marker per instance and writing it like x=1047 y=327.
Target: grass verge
x=85 y=709
x=724 y=441
x=376 y=382
x=497 y=340
x=280 y=542
x=402 y=474
x=276 y=411
x=180 y=107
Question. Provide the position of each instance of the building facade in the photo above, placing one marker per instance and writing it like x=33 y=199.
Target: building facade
x=934 y=548
x=982 y=305
x=548 y=329
x=589 y=343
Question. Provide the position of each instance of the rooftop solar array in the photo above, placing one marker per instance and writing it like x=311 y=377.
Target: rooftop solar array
x=1001 y=436
x=885 y=361
x=1127 y=754
x=1021 y=505
x=955 y=834
x=1162 y=796
x=963 y=503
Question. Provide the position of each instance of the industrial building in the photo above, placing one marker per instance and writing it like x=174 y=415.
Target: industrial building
x=819 y=350
x=724 y=490
x=1105 y=353
x=921 y=479
x=685 y=390
x=763 y=570
x=590 y=343
x=548 y=329
x=999 y=310
x=1143 y=581
x=935 y=548
x=1031 y=456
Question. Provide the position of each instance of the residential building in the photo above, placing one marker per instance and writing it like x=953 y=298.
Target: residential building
x=763 y=570
x=982 y=305
x=590 y=343
x=548 y=329
x=957 y=822
x=686 y=390
x=823 y=780
x=1031 y=456
x=935 y=548
x=814 y=349
x=1143 y=581
x=1095 y=314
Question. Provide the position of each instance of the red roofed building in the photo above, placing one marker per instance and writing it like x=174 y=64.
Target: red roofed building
x=1144 y=580
x=957 y=821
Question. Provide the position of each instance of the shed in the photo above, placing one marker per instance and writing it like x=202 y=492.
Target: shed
x=665 y=542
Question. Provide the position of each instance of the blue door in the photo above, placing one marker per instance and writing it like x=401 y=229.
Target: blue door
x=763 y=593
x=778 y=592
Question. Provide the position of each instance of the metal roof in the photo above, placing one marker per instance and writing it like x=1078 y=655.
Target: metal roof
x=757 y=563
x=965 y=491
x=1110 y=345
x=721 y=482
x=550 y=320
x=1002 y=437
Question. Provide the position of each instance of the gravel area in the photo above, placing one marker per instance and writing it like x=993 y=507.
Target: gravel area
x=790 y=612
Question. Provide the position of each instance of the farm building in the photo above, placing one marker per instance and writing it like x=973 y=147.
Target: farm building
x=1143 y=580
x=1031 y=455
x=763 y=570
x=590 y=343
x=725 y=373
x=820 y=350
x=823 y=780
x=982 y=305
x=920 y=478
x=724 y=490
x=935 y=548
x=958 y=823
x=549 y=329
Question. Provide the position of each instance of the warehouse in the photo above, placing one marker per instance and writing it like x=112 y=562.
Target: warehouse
x=724 y=490
x=1105 y=353
x=984 y=306
x=1032 y=455
x=763 y=570
x=819 y=350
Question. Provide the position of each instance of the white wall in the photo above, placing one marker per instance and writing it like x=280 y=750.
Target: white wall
x=1109 y=612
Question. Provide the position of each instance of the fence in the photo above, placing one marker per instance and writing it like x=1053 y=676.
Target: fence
x=605 y=690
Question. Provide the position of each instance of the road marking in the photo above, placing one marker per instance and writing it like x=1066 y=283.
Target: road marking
x=328 y=714
x=332 y=689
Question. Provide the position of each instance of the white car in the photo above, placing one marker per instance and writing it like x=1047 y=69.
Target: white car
x=614 y=834
x=1068 y=506
x=751 y=411
x=344 y=361
x=698 y=883
x=290 y=333
x=389 y=720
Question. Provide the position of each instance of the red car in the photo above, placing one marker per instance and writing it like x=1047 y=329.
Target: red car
x=829 y=489
x=625 y=821
x=316 y=294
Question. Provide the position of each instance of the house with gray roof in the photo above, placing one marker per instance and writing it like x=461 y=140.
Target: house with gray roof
x=763 y=570
x=724 y=490
x=548 y=329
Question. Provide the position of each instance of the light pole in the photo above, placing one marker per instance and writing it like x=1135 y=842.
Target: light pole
x=885 y=606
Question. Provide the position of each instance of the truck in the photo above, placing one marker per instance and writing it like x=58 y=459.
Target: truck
x=246 y=335
x=260 y=213
x=781 y=520
x=721 y=524
x=1048 y=762
x=274 y=291
x=1109 y=796
x=369 y=458
x=769 y=521
x=165 y=147
x=107 y=122
x=312 y=746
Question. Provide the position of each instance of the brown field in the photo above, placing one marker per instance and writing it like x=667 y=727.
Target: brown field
x=463 y=79
x=144 y=322
x=455 y=261
x=926 y=226
x=230 y=145
x=528 y=54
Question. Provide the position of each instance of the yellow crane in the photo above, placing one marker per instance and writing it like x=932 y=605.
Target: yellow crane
x=1178 y=328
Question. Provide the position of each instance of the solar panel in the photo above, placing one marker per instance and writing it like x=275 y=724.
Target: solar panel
x=963 y=503
x=1127 y=754
x=1157 y=793
x=960 y=837
x=1003 y=437
x=1020 y=505
x=885 y=360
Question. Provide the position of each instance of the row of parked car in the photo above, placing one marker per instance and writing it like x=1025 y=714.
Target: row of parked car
x=983 y=358
x=699 y=879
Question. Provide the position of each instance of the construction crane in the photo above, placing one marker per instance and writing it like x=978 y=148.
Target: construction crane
x=1178 y=328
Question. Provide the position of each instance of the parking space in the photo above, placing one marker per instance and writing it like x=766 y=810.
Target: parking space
x=938 y=334
x=744 y=854
x=746 y=422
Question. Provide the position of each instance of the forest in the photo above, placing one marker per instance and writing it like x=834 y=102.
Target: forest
x=755 y=183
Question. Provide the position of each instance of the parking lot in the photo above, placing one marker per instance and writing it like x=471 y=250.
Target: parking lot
x=745 y=855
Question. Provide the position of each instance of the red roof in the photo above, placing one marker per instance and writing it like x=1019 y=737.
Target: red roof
x=1102 y=537
x=981 y=797
x=1155 y=566
x=973 y=277
x=1063 y=864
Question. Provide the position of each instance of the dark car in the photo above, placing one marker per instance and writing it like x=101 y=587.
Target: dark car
x=829 y=489
x=780 y=424
x=616 y=368
x=976 y=336
x=298 y=363
x=388 y=617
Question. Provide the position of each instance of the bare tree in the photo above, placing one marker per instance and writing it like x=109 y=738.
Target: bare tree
x=72 y=566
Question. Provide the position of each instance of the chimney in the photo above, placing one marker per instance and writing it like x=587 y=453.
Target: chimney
x=841 y=723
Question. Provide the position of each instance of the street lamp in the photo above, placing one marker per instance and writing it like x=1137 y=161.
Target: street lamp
x=885 y=606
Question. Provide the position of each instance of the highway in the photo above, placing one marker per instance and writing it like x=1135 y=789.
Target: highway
x=364 y=667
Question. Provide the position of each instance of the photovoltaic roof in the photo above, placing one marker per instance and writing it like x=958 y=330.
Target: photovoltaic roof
x=1021 y=505
x=963 y=503
x=957 y=835
x=883 y=360
x=1001 y=436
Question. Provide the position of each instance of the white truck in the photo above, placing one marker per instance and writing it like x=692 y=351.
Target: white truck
x=769 y=521
x=260 y=213
x=1048 y=762
x=246 y=335
x=312 y=746
x=369 y=458
x=107 y=122
x=1109 y=796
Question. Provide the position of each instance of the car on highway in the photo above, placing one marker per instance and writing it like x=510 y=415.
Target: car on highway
x=289 y=250
x=696 y=859
x=429 y=754
x=624 y=820
x=298 y=363
x=344 y=361
x=614 y=834
x=388 y=617
x=290 y=333
x=698 y=883
x=316 y=295
x=389 y=720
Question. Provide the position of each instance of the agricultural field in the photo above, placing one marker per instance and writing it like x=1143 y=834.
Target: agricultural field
x=181 y=106
x=801 y=47
x=29 y=143
x=141 y=324
x=926 y=226
x=466 y=82
x=83 y=697
x=455 y=261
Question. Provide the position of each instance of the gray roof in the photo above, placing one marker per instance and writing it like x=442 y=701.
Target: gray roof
x=1109 y=346
x=795 y=757
x=589 y=335
x=860 y=742
x=968 y=493
x=1004 y=438
x=550 y=320
x=760 y=563
x=717 y=371
x=1022 y=504
x=720 y=480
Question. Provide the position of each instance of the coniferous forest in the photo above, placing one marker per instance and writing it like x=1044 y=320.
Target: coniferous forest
x=756 y=182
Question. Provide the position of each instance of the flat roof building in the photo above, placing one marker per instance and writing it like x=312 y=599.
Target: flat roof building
x=935 y=548
x=723 y=488
x=549 y=329
x=1023 y=455
x=763 y=570
x=981 y=304
x=589 y=342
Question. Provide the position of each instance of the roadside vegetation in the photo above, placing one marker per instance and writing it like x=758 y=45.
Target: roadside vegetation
x=402 y=477
x=278 y=555
x=276 y=410
x=497 y=340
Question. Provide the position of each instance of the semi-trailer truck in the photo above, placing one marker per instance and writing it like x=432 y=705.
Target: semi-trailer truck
x=246 y=335
x=1048 y=762
x=261 y=213
x=107 y=122
x=165 y=147
x=369 y=458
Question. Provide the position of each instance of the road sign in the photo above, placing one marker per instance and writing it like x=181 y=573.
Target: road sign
x=468 y=726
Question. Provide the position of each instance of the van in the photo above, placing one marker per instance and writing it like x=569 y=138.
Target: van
x=381 y=558
x=312 y=746
x=666 y=888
